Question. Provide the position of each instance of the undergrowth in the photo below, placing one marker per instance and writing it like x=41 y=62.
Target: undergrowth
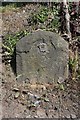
x=10 y=41
x=46 y=18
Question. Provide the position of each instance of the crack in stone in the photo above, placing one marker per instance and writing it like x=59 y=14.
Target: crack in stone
x=52 y=44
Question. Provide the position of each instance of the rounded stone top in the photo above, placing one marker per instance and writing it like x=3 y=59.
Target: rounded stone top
x=41 y=36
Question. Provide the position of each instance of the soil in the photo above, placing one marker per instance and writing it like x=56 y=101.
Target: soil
x=38 y=101
x=21 y=100
x=17 y=19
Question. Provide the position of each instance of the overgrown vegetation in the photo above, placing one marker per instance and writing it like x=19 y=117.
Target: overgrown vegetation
x=72 y=66
x=46 y=18
x=10 y=42
x=8 y=7
x=11 y=6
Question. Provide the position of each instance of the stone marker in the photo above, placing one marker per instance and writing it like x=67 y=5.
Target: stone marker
x=41 y=57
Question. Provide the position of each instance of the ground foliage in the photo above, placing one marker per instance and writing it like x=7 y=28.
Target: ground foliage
x=47 y=18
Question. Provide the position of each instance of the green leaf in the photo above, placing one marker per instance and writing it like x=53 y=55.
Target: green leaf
x=62 y=87
x=46 y=99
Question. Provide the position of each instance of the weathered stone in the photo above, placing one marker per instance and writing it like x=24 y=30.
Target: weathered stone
x=42 y=57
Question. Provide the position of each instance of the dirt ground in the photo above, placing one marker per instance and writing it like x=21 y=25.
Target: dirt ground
x=17 y=19
x=38 y=101
x=21 y=100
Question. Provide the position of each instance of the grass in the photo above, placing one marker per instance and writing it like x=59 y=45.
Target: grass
x=72 y=66
x=9 y=7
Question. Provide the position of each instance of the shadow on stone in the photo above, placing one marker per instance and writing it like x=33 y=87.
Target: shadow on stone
x=13 y=62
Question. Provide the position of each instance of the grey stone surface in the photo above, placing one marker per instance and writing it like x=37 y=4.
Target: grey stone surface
x=41 y=57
